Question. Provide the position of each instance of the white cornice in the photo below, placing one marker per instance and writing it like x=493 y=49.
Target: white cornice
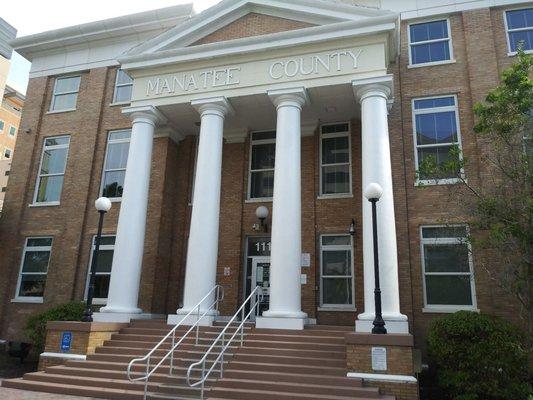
x=132 y=24
x=315 y=34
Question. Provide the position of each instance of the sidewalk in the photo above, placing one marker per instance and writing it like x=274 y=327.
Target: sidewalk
x=14 y=394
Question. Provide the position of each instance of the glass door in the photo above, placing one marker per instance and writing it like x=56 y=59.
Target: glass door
x=261 y=277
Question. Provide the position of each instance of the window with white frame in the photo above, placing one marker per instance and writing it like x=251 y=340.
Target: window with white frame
x=262 y=160
x=2 y=124
x=436 y=131
x=336 y=271
x=102 y=275
x=52 y=170
x=116 y=159
x=65 y=94
x=7 y=153
x=34 y=268
x=12 y=130
x=519 y=24
x=335 y=160
x=123 y=87
x=430 y=42
x=447 y=267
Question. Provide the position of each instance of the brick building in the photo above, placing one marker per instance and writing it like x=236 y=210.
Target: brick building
x=192 y=123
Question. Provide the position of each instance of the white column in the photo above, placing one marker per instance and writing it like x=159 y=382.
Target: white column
x=373 y=95
x=122 y=301
x=285 y=311
x=201 y=267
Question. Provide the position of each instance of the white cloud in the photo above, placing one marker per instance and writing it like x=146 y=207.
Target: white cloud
x=33 y=16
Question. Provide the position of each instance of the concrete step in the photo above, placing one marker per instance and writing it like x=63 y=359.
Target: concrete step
x=248 y=394
x=296 y=368
x=274 y=376
x=289 y=359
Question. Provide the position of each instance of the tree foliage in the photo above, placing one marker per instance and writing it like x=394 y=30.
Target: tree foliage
x=499 y=200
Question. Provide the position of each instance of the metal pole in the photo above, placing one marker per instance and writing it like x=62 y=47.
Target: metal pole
x=88 y=315
x=379 y=324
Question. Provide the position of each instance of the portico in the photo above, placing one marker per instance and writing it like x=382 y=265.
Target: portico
x=327 y=72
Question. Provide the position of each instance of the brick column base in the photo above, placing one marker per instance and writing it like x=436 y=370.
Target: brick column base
x=85 y=338
x=383 y=361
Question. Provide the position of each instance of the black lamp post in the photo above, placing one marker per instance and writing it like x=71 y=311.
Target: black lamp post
x=373 y=193
x=103 y=205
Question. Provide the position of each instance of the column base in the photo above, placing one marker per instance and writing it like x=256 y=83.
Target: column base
x=174 y=319
x=278 y=320
x=365 y=326
x=121 y=317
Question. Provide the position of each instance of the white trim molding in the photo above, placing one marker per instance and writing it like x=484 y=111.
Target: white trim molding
x=383 y=377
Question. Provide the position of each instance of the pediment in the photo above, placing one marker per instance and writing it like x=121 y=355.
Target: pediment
x=233 y=20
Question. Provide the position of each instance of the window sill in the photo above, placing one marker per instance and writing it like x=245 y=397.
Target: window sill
x=335 y=196
x=60 y=111
x=431 y=64
x=514 y=53
x=50 y=204
x=448 y=310
x=29 y=300
x=438 y=182
x=336 y=309
x=264 y=200
x=120 y=103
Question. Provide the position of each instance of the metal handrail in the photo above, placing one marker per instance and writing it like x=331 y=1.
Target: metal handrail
x=257 y=294
x=219 y=296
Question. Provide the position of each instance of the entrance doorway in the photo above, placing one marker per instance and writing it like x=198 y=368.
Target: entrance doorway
x=257 y=272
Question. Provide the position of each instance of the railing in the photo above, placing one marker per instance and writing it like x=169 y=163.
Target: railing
x=254 y=300
x=146 y=360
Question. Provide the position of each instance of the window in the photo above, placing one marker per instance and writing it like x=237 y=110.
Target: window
x=123 y=87
x=12 y=130
x=447 y=268
x=7 y=153
x=116 y=159
x=4 y=189
x=436 y=130
x=262 y=159
x=103 y=269
x=519 y=25
x=336 y=273
x=6 y=173
x=2 y=124
x=52 y=170
x=430 y=42
x=335 y=160
x=65 y=93
x=33 y=268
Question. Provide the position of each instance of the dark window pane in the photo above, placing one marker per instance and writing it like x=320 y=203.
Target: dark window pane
x=49 y=189
x=54 y=161
x=336 y=262
x=114 y=184
x=263 y=156
x=336 y=128
x=336 y=240
x=335 y=150
x=420 y=54
x=439 y=51
x=429 y=31
x=445 y=123
x=448 y=290
x=101 y=286
x=36 y=261
x=56 y=141
x=446 y=258
x=520 y=18
x=107 y=241
x=432 y=103
x=39 y=242
x=523 y=38
x=264 y=135
x=117 y=155
x=105 y=260
x=336 y=179
x=32 y=285
x=440 y=155
x=262 y=184
x=444 y=232
x=337 y=291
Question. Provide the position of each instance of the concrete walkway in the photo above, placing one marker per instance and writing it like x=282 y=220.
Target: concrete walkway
x=15 y=394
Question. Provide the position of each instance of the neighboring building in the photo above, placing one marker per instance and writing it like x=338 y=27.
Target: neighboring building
x=297 y=108
x=10 y=109
x=10 y=113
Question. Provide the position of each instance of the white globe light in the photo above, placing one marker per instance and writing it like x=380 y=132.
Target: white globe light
x=261 y=212
x=373 y=191
x=103 y=204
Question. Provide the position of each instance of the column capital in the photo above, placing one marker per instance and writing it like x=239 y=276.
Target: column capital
x=214 y=105
x=296 y=97
x=149 y=114
x=382 y=86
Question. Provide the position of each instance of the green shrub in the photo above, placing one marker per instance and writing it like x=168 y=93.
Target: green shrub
x=36 y=324
x=478 y=357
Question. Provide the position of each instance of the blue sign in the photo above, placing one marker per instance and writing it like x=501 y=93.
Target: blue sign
x=66 y=340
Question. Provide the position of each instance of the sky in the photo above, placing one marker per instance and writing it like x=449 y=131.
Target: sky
x=34 y=16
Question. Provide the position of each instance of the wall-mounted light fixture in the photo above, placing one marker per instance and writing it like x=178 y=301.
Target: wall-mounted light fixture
x=351 y=230
x=261 y=213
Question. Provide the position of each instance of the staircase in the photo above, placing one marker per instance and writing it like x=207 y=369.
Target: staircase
x=272 y=365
